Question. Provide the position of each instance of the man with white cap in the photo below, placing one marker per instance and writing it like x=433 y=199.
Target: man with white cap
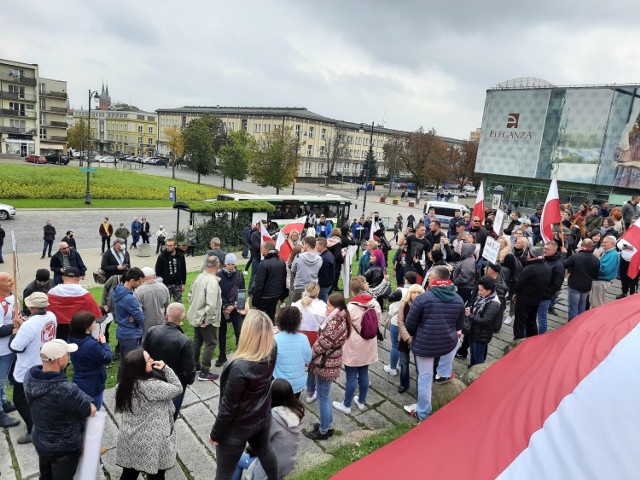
x=59 y=410
x=153 y=297
x=27 y=338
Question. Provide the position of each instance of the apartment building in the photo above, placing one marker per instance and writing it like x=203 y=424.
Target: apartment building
x=53 y=106
x=314 y=131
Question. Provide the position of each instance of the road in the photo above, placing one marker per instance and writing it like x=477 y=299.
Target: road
x=28 y=223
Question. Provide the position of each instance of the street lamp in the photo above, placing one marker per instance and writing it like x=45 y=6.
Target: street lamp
x=368 y=164
x=87 y=196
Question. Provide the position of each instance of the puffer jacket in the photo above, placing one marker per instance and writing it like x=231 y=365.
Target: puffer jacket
x=464 y=275
x=294 y=352
x=434 y=320
x=60 y=410
x=358 y=352
x=245 y=395
x=89 y=363
x=333 y=334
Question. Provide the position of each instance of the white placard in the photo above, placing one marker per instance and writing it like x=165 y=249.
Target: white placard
x=491 y=249
x=495 y=201
x=94 y=429
x=258 y=217
x=497 y=223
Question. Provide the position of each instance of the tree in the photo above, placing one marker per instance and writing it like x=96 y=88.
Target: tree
x=236 y=155
x=394 y=151
x=77 y=135
x=175 y=141
x=275 y=159
x=203 y=138
x=336 y=148
x=465 y=166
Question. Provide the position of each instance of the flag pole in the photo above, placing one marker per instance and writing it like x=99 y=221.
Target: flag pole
x=14 y=262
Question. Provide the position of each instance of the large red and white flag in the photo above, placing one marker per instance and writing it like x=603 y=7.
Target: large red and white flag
x=550 y=212
x=265 y=235
x=632 y=237
x=65 y=300
x=478 y=208
x=282 y=245
x=569 y=417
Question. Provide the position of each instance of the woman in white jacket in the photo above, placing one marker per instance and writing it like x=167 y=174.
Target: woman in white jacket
x=313 y=316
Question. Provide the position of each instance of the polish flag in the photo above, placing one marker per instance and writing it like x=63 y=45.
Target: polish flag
x=65 y=300
x=550 y=212
x=282 y=245
x=632 y=237
x=265 y=235
x=478 y=209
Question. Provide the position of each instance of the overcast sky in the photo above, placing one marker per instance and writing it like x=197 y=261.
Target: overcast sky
x=404 y=63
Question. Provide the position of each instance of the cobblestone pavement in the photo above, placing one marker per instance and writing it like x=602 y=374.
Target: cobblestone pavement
x=196 y=457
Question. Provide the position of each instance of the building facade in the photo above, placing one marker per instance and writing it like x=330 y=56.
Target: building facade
x=586 y=136
x=52 y=107
x=315 y=132
x=119 y=129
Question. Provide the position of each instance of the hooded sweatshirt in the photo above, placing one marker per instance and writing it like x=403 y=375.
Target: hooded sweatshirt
x=284 y=438
x=464 y=275
x=59 y=410
x=128 y=314
x=305 y=269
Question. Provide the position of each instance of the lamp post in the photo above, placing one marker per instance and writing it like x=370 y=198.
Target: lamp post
x=87 y=196
x=368 y=163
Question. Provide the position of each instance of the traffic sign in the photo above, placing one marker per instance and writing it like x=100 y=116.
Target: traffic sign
x=90 y=170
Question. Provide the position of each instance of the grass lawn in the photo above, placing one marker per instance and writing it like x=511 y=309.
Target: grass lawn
x=79 y=203
x=42 y=184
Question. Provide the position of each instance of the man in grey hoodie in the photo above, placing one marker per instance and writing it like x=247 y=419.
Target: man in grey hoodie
x=305 y=268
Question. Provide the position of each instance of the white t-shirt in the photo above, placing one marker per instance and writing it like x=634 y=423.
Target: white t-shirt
x=6 y=318
x=312 y=316
x=37 y=330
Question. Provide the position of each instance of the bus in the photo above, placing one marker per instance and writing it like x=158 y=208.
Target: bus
x=289 y=207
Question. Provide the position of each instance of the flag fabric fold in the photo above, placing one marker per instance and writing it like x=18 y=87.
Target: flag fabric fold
x=632 y=237
x=550 y=212
x=478 y=208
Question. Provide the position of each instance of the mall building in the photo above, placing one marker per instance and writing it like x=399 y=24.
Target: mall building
x=588 y=136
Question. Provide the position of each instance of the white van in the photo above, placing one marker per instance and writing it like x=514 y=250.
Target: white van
x=445 y=211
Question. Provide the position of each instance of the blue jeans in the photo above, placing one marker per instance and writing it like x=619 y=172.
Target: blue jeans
x=5 y=365
x=245 y=251
x=404 y=369
x=359 y=376
x=577 y=302
x=425 y=380
x=311 y=384
x=324 y=293
x=1 y=259
x=177 y=403
x=245 y=462
x=478 y=352
x=324 y=404
x=126 y=346
x=543 y=310
x=394 y=354
x=98 y=400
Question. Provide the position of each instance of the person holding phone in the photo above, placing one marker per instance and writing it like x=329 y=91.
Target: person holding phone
x=146 y=438
x=234 y=297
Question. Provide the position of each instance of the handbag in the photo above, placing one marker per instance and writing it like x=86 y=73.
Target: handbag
x=323 y=358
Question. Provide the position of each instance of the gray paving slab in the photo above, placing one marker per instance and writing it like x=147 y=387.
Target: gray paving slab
x=108 y=461
x=110 y=437
x=190 y=398
x=372 y=420
x=25 y=454
x=6 y=462
x=205 y=390
x=201 y=420
x=193 y=454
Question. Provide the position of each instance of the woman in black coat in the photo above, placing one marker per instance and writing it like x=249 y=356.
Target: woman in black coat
x=482 y=318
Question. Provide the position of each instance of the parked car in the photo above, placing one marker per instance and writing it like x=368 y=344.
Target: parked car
x=7 y=211
x=35 y=159
x=370 y=187
x=107 y=159
x=57 y=159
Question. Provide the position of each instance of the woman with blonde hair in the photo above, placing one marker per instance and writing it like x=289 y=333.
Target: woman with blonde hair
x=404 y=344
x=294 y=238
x=244 y=411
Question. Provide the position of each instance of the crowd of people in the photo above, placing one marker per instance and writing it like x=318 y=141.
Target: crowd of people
x=295 y=331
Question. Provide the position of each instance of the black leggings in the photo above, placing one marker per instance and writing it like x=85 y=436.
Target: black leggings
x=131 y=474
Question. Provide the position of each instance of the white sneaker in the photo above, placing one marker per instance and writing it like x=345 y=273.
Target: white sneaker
x=391 y=371
x=340 y=406
x=360 y=406
x=410 y=409
x=312 y=398
x=508 y=320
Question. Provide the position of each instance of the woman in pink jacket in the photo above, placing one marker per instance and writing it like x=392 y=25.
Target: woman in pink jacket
x=358 y=353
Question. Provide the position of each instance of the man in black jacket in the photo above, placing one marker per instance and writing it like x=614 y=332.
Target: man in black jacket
x=63 y=258
x=554 y=259
x=583 y=268
x=169 y=343
x=49 y=235
x=327 y=269
x=115 y=260
x=172 y=268
x=529 y=292
x=479 y=232
x=270 y=282
x=256 y=241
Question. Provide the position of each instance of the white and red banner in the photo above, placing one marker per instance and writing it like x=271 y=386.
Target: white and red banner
x=282 y=245
x=65 y=300
x=632 y=237
x=550 y=212
x=559 y=406
x=478 y=208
